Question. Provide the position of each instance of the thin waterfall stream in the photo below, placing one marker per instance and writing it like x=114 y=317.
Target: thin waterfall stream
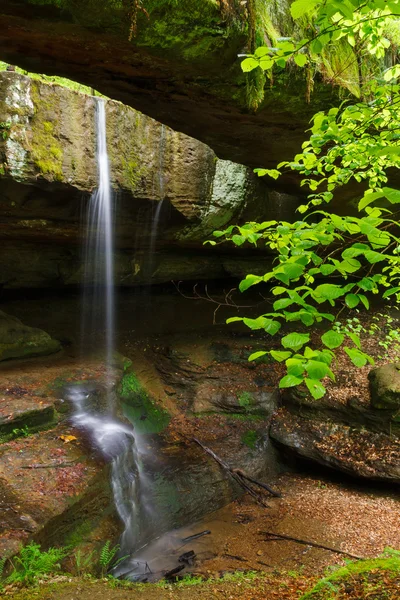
x=111 y=438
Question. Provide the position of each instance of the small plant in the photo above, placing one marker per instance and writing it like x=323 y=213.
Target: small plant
x=83 y=563
x=107 y=558
x=250 y=438
x=32 y=563
x=2 y=565
x=18 y=432
x=245 y=399
x=5 y=127
x=349 y=326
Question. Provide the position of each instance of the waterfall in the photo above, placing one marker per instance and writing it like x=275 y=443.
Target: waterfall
x=111 y=438
x=161 y=193
x=98 y=309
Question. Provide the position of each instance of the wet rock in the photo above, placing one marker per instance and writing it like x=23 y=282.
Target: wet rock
x=23 y=414
x=47 y=479
x=217 y=377
x=211 y=398
x=357 y=452
x=20 y=341
x=384 y=385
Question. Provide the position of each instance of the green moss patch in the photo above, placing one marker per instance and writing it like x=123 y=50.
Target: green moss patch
x=140 y=408
x=250 y=438
x=369 y=576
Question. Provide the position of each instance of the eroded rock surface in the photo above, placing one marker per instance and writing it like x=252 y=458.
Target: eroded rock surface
x=182 y=67
x=20 y=341
x=357 y=452
x=48 y=171
x=385 y=387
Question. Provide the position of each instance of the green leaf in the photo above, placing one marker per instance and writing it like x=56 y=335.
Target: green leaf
x=315 y=388
x=374 y=257
x=364 y=300
x=234 y=319
x=327 y=269
x=327 y=291
x=392 y=195
x=300 y=8
x=295 y=341
x=288 y=271
x=332 y=339
x=367 y=284
x=282 y=303
x=390 y=292
x=355 y=339
x=280 y=355
x=290 y=381
x=295 y=366
x=318 y=370
x=352 y=300
x=269 y=325
x=249 y=281
x=350 y=265
x=358 y=358
x=249 y=64
x=238 y=240
x=300 y=60
x=255 y=323
x=262 y=51
x=256 y=355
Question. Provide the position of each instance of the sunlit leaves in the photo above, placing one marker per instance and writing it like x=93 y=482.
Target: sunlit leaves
x=332 y=339
x=324 y=262
x=357 y=357
x=295 y=341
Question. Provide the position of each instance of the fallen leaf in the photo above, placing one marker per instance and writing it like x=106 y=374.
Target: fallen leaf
x=67 y=438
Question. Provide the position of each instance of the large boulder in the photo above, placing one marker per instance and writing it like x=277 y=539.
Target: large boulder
x=354 y=451
x=384 y=385
x=20 y=341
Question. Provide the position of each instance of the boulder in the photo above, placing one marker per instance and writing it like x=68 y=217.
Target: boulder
x=357 y=452
x=384 y=383
x=20 y=341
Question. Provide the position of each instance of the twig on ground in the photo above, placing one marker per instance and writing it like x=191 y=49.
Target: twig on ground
x=279 y=536
x=236 y=475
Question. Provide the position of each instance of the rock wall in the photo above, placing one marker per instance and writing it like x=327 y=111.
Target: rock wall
x=182 y=67
x=48 y=171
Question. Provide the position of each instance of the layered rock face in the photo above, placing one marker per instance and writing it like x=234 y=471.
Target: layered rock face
x=48 y=171
x=182 y=67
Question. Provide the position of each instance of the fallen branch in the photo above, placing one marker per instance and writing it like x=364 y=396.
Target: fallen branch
x=236 y=475
x=279 y=536
x=196 y=536
x=259 y=483
x=235 y=557
x=49 y=465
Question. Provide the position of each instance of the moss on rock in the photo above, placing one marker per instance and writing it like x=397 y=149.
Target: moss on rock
x=140 y=408
x=46 y=150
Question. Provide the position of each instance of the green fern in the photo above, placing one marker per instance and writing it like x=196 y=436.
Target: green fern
x=32 y=562
x=107 y=559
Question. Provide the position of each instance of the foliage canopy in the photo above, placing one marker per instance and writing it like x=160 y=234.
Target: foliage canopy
x=326 y=262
